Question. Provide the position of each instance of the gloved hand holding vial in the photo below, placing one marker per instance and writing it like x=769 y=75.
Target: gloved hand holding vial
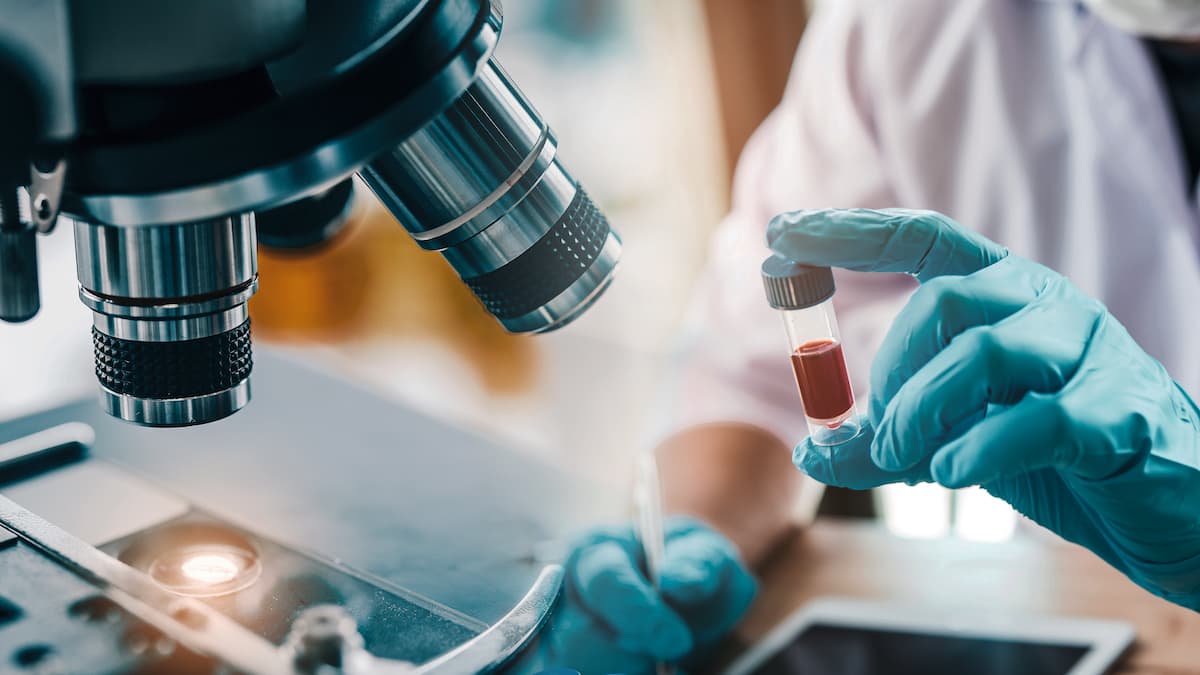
x=1000 y=372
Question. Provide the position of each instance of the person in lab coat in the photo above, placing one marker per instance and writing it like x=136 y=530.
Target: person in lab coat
x=1068 y=132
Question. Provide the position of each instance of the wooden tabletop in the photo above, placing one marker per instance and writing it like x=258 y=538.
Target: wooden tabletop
x=1032 y=574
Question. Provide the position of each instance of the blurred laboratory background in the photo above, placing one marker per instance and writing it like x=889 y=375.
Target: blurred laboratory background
x=652 y=102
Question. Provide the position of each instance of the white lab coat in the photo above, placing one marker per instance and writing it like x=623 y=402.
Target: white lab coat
x=1030 y=120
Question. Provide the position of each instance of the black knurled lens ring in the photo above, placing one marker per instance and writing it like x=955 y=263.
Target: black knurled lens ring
x=549 y=267
x=165 y=370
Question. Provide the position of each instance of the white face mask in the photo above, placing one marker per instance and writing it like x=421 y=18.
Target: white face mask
x=1169 y=19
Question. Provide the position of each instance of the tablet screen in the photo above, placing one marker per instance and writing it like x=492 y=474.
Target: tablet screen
x=822 y=649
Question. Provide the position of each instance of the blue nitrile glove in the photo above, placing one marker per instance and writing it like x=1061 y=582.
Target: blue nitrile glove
x=1000 y=372
x=612 y=621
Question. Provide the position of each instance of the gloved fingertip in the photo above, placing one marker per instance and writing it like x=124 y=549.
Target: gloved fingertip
x=774 y=231
x=695 y=566
x=668 y=639
x=713 y=618
x=792 y=235
x=745 y=589
x=815 y=461
x=782 y=223
x=689 y=582
x=946 y=470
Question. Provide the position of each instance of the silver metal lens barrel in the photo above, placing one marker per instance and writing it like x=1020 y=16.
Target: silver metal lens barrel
x=170 y=326
x=482 y=183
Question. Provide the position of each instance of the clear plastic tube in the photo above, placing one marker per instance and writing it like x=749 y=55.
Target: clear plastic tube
x=821 y=375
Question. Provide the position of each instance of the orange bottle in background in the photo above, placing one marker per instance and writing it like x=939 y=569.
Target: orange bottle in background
x=371 y=281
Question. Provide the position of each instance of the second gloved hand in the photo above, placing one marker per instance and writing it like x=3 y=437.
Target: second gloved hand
x=999 y=372
x=613 y=621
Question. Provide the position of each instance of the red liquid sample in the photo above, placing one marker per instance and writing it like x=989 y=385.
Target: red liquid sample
x=824 y=383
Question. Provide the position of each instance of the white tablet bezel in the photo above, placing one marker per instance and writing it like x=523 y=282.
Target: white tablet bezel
x=1106 y=640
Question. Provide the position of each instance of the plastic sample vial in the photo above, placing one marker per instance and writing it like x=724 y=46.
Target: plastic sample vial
x=804 y=296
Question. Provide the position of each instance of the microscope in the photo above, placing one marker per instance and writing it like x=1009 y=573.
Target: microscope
x=163 y=130
x=174 y=137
